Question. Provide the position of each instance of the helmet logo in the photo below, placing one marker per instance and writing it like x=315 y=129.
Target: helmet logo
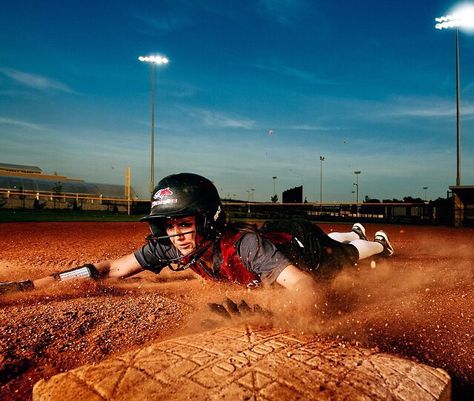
x=160 y=195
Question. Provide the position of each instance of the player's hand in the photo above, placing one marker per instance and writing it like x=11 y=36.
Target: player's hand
x=230 y=309
x=16 y=286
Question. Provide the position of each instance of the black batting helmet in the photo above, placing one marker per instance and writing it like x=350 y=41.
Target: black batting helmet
x=186 y=194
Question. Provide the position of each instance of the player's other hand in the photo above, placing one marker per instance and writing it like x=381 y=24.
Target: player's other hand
x=16 y=286
x=230 y=309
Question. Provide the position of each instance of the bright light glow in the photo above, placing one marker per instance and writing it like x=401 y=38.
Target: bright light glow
x=462 y=17
x=154 y=59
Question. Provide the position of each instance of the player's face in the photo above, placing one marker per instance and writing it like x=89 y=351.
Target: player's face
x=182 y=232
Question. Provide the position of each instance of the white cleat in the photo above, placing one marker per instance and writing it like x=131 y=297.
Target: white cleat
x=359 y=230
x=382 y=238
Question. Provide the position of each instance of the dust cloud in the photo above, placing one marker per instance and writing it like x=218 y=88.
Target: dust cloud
x=422 y=309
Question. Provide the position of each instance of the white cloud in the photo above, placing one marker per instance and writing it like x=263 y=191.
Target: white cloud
x=302 y=75
x=282 y=11
x=428 y=108
x=468 y=88
x=421 y=108
x=173 y=16
x=221 y=120
x=168 y=23
x=35 y=81
x=308 y=127
x=225 y=121
x=181 y=89
x=22 y=124
x=402 y=107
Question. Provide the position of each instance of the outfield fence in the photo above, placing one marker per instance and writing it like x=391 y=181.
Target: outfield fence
x=27 y=199
x=406 y=213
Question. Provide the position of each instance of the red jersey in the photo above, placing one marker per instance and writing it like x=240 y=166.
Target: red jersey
x=231 y=268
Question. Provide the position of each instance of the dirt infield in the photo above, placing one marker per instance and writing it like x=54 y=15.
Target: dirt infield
x=419 y=304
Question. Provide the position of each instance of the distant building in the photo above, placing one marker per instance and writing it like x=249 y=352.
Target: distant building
x=31 y=179
x=18 y=168
x=463 y=202
x=293 y=195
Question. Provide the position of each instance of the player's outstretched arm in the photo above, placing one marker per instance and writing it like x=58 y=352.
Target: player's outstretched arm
x=119 y=268
x=125 y=266
x=16 y=286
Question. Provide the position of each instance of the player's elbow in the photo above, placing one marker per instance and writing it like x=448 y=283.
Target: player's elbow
x=294 y=279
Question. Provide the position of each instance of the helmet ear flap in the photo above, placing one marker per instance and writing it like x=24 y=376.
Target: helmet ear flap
x=158 y=231
x=211 y=223
x=156 y=227
x=203 y=226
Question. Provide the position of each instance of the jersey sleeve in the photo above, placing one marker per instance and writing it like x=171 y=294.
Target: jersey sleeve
x=155 y=257
x=261 y=257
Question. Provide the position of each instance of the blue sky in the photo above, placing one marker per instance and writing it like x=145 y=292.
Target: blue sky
x=254 y=89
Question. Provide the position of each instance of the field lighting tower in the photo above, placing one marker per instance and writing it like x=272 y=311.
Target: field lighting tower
x=250 y=196
x=461 y=18
x=153 y=60
x=321 y=159
x=357 y=173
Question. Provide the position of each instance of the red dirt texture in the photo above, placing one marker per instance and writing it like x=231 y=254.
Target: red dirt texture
x=419 y=304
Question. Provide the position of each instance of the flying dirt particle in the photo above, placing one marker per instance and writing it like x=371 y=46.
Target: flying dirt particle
x=373 y=265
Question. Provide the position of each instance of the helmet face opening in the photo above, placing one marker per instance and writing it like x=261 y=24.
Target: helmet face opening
x=158 y=228
x=188 y=248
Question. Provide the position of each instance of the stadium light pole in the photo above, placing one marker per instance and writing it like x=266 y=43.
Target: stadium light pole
x=425 y=188
x=357 y=173
x=250 y=195
x=321 y=159
x=153 y=60
x=274 y=190
x=462 y=17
